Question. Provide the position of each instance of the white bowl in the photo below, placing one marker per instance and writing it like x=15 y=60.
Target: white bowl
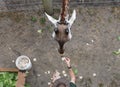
x=23 y=63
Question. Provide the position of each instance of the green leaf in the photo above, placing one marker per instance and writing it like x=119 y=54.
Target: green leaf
x=13 y=83
x=119 y=38
x=116 y=52
x=42 y=21
x=1 y=84
x=76 y=71
x=33 y=19
x=39 y=31
x=8 y=79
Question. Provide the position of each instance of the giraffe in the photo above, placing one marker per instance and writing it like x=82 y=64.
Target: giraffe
x=62 y=31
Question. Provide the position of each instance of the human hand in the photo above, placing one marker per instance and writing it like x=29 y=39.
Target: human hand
x=67 y=60
x=56 y=76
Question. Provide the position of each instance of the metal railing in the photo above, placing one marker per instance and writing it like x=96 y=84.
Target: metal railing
x=18 y=5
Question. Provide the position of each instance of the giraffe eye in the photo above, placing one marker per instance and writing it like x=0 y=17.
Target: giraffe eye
x=67 y=31
x=56 y=30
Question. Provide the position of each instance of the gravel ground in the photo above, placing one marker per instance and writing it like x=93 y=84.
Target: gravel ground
x=95 y=37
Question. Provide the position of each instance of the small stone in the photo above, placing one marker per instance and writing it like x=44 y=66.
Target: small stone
x=80 y=77
x=94 y=74
x=49 y=83
x=63 y=72
x=34 y=59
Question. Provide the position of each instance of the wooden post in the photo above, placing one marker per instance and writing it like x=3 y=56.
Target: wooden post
x=48 y=6
x=21 y=76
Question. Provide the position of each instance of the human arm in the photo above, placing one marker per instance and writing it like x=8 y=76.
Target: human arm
x=72 y=75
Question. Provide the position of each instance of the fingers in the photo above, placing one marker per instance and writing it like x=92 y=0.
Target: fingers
x=67 y=59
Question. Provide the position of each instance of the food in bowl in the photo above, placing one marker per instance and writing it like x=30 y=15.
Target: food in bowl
x=23 y=63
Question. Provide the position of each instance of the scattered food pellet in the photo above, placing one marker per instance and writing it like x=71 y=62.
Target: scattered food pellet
x=92 y=41
x=65 y=75
x=51 y=78
x=63 y=72
x=49 y=83
x=87 y=44
x=34 y=59
x=45 y=72
x=13 y=61
x=94 y=74
x=48 y=72
x=63 y=58
x=80 y=77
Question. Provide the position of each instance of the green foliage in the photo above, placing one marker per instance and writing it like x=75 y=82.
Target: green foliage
x=116 y=52
x=119 y=38
x=33 y=19
x=42 y=20
x=8 y=79
x=76 y=71
x=27 y=85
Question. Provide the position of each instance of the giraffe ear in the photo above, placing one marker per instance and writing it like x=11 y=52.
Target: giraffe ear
x=54 y=21
x=72 y=19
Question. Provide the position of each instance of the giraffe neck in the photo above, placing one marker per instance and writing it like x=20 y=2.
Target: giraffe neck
x=64 y=11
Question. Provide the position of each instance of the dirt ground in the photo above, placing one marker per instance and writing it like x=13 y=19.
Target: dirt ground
x=95 y=37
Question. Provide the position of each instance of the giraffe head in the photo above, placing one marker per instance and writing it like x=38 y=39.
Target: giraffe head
x=62 y=30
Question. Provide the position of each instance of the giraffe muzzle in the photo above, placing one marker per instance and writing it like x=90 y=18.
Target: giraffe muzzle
x=61 y=47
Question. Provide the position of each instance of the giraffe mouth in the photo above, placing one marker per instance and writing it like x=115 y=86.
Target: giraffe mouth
x=61 y=51
x=61 y=47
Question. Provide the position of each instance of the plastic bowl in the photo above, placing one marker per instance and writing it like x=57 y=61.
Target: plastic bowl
x=23 y=63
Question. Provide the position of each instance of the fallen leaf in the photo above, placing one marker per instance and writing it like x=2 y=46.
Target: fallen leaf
x=39 y=31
